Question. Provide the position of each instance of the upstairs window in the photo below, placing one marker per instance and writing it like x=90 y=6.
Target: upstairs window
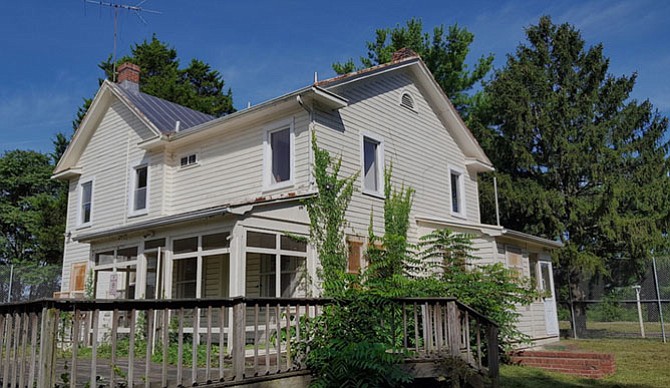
x=280 y=149
x=279 y=156
x=141 y=182
x=457 y=192
x=86 y=203
x=188 y=160
x=373 y=162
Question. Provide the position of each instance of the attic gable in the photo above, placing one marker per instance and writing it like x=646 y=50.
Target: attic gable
x=476 y=159
x=159 y=116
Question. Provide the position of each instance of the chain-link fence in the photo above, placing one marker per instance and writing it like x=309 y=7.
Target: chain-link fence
x=638 y=310
x=25 y=282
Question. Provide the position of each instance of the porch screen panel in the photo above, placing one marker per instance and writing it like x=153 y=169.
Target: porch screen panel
x=292 y=276
x=184 y=278
x=215 y=276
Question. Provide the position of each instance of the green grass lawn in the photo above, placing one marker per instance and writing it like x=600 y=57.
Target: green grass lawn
x=639 y=363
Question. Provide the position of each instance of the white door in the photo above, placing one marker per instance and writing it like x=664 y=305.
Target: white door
x=550 y=316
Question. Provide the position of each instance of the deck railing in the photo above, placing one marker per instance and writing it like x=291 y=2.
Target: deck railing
x=131 y=343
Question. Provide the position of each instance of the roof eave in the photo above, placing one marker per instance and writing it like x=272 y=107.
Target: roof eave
x=525 y=237
x=69 y=173
x=285 y=102
x=476 y=165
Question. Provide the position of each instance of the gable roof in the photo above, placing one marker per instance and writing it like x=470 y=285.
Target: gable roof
x=161 y=116
x=476 y=159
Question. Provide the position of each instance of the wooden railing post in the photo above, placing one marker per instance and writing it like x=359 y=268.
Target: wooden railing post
x=239 y=333
x=454 y=325
x=47 y=360
x=493 y=357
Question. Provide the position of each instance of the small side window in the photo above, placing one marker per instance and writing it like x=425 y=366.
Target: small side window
x=372 y=158
x=457 y=188
x=140 y=192
x=188 y=160
x=86 y=203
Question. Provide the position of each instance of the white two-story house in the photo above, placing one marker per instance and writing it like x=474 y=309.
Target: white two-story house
x=166 y=202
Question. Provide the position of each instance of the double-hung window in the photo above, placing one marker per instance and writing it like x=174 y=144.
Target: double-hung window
x=86 y=203
x=456 y=185
x=140 y=190
x=279 y=156
x=372 y=155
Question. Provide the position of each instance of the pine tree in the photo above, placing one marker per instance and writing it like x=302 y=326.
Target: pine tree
x=197 y=86
x=578 y=159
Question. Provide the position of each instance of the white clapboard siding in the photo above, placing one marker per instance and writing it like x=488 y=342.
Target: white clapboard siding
x=108 y=160
x=416 y=143
x=230 y=166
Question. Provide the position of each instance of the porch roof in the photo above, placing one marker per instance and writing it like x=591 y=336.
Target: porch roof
x=154 y=223
x=236 y=208
x=493 y=231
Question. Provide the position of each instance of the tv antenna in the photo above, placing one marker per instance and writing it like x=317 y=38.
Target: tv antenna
x=136 y=9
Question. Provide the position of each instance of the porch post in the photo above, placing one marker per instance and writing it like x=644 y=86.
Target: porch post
x=47 y=360
x=239 y=332
x=493 y=357
x=454 y=334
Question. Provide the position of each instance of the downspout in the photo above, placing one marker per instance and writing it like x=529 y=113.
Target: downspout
x=310 y=134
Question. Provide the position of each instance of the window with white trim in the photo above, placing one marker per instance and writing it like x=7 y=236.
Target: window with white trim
x=115 y=273
x=200 y=266
x=279 y=155
x=276 y=265
x=456 y=186
x=85 y=203
x=188 y=160
x=140 y=190
x=372 y=152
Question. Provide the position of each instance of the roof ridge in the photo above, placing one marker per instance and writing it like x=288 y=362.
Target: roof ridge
x=390 y=63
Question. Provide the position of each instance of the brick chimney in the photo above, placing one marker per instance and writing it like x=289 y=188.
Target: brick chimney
x=404 y=53
x=129 y=76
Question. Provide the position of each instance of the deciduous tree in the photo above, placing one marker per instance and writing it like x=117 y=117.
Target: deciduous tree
x=444 y=53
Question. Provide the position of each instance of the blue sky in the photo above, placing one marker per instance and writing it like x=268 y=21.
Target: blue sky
x=49 y=50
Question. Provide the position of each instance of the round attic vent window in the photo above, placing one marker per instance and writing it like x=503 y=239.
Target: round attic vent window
x=407 y=101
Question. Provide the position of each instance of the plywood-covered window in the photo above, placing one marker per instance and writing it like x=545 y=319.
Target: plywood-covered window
x=515 y=260
x=78 y=277
x=355 y=261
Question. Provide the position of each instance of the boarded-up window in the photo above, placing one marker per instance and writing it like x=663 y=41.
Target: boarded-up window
x=78 y=277
x=532 y=267
x=355 y=256
x=515 y=260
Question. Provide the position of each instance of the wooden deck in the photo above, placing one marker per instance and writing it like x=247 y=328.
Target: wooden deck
x=102 y=343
